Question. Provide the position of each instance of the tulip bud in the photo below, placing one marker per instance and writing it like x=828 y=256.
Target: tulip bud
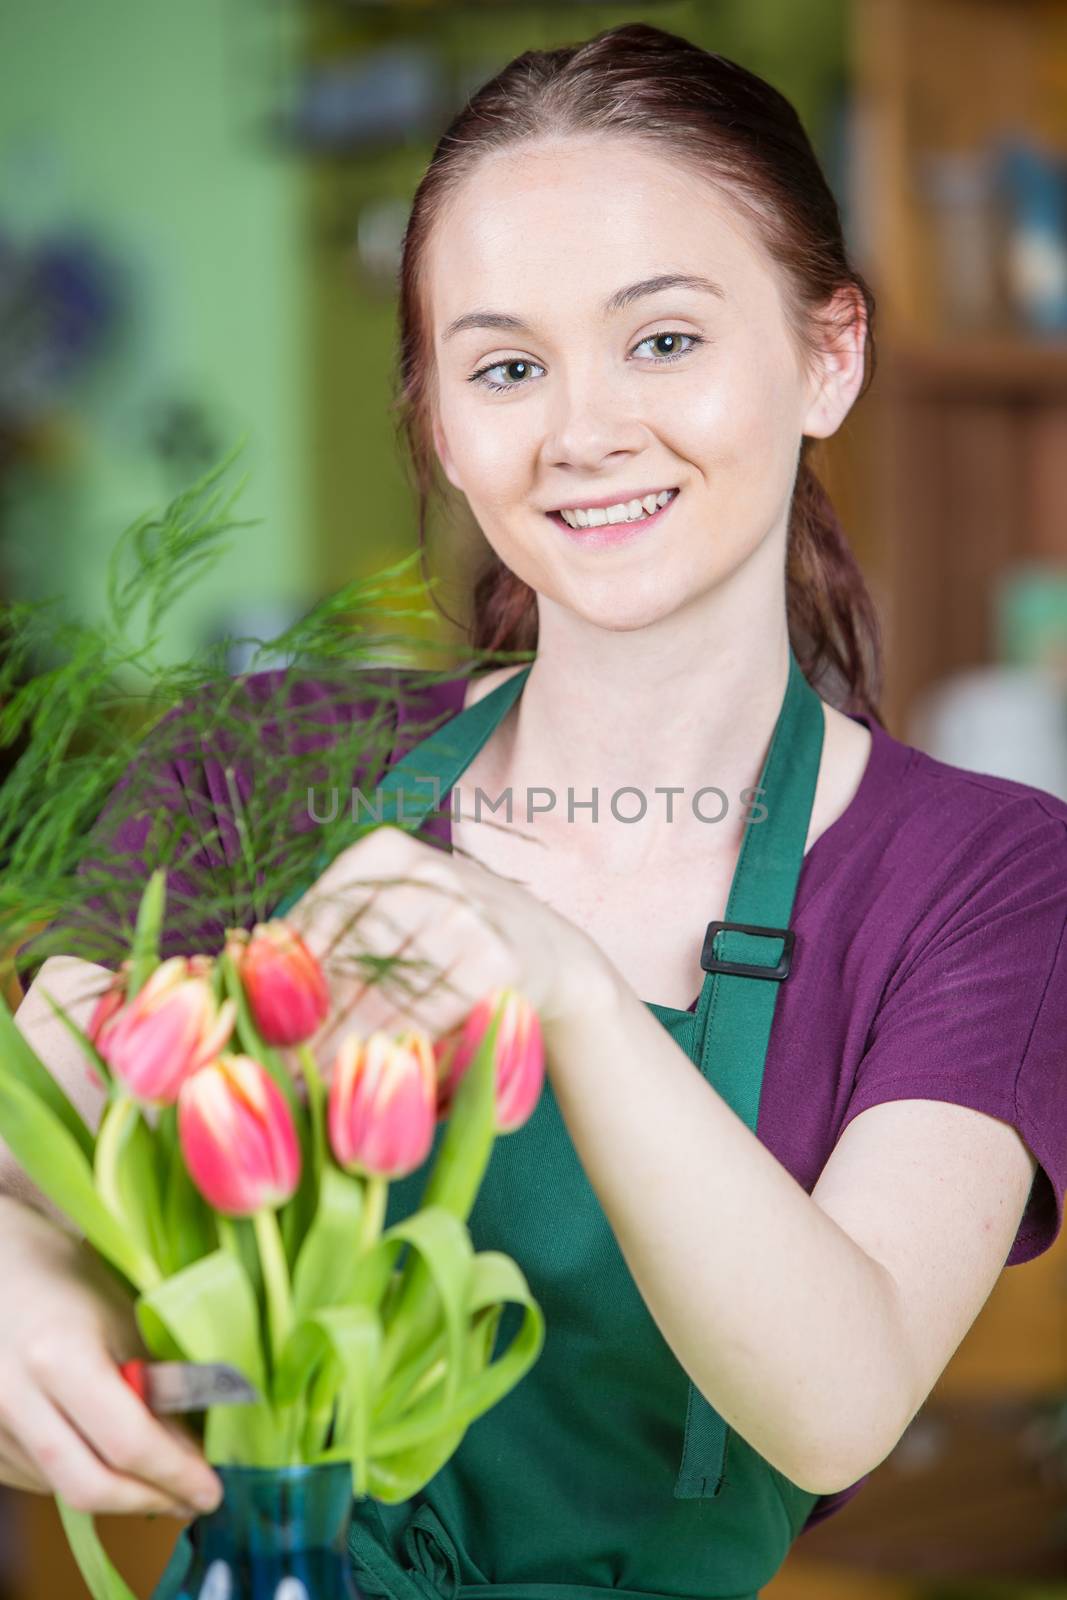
x=381 y=1112
x=109 y=1004
x=237 y=1136
x=520 y=1057
x=172 y=1026
x=287 y=991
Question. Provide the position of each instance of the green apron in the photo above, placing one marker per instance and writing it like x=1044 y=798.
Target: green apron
x=605 y=1468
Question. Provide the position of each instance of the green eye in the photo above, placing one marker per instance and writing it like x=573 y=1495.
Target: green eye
x=516 y=373
x=669 y=346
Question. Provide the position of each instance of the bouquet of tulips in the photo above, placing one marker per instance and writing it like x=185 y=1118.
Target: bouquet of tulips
x=238 y=1185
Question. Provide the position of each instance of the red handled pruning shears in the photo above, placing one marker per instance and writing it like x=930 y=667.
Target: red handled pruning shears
x=172 y=1386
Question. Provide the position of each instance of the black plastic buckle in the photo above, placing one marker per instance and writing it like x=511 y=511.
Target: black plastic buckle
x=713 y=963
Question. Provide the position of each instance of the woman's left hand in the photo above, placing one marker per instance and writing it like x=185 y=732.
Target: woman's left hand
x=458 y=929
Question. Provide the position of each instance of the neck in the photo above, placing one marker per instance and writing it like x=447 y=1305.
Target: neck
x=690 y=705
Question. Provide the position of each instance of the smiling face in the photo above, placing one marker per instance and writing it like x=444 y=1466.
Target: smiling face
x=617 y=393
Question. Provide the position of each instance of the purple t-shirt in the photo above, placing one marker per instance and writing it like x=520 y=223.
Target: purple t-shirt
x=930 y=959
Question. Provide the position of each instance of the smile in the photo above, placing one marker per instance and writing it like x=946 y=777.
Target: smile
x=638 y=509
x=617 y=523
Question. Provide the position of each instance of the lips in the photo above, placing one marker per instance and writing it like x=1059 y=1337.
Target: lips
x=620 y=496
x=612 y=533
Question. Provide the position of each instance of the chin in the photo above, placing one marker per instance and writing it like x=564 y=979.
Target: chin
x=622 y=613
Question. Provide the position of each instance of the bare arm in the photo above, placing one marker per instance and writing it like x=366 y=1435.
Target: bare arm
x=815 y=1324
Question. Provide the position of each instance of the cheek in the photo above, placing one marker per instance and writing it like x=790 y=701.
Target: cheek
x=739 y=426
x=492 y=447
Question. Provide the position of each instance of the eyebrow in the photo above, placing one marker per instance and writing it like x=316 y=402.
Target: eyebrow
x=615 y=302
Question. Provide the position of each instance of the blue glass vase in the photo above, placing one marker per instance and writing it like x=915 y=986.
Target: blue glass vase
x=279 y=1533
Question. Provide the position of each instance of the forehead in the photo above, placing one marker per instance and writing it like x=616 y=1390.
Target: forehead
x=558 y=226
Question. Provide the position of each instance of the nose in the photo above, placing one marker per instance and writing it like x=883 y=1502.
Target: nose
x=590 y=424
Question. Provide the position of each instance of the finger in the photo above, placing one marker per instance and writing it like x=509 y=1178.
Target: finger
x=128 y=1437
x=362 y=890
x=421 y=989
x=16 y=1468
x=372 y=987
x=74 y=1471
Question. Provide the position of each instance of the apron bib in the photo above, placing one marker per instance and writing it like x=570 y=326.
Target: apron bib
x=605 y=1468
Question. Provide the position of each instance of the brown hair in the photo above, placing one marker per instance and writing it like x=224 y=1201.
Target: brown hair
x=736 y=129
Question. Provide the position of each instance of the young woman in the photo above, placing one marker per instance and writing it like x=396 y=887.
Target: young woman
x=759 y=1222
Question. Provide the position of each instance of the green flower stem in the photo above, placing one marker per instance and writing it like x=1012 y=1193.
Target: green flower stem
x=289 y=1419
x=275 y=1279
x=316 y=1104
x=375 y=1197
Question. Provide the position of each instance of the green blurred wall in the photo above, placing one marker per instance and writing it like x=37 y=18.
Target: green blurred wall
x=141 y=119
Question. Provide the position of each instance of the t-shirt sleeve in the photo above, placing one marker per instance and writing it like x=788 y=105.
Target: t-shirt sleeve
x=976 y=1012
x=216 y=812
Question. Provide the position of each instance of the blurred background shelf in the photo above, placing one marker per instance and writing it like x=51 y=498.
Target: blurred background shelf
x=994 y=368
x=952 y=474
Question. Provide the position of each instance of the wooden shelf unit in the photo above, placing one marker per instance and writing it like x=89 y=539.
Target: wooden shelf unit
x=953 y=469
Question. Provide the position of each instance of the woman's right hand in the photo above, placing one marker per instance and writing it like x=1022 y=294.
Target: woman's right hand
x=69 y=1423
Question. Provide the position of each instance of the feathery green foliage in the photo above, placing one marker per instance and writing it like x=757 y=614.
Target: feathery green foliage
x=111 y=737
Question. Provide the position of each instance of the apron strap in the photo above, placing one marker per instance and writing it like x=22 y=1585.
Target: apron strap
x=747 y=957
x=441 y=758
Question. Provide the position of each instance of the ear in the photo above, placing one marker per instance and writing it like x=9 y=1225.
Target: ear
x=444 y=455
x=838 y=374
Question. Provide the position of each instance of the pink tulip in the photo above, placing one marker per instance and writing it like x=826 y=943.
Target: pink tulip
x=111 y=1001
x=237 y=1136
x=172 y=1026
x=520 y=1057
x=287 y=991
x=381 y=1112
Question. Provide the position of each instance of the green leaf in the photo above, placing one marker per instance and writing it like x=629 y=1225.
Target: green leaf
x=403 y=1473
x=316 y=1112
x=328 y=1265
x=144 y=953
x=208 y=1312
x=238 y=1236
x=101 y=1578
x=126 y=1169
x=464 y=1152
x=341 y=1343
x=397 y=1477
x=45 y=1150
x=441 y=1246
x=189 y=1224
x=496 y=1278
x=19 y=1061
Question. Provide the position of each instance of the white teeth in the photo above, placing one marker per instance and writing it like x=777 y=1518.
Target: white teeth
x=625 y=511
